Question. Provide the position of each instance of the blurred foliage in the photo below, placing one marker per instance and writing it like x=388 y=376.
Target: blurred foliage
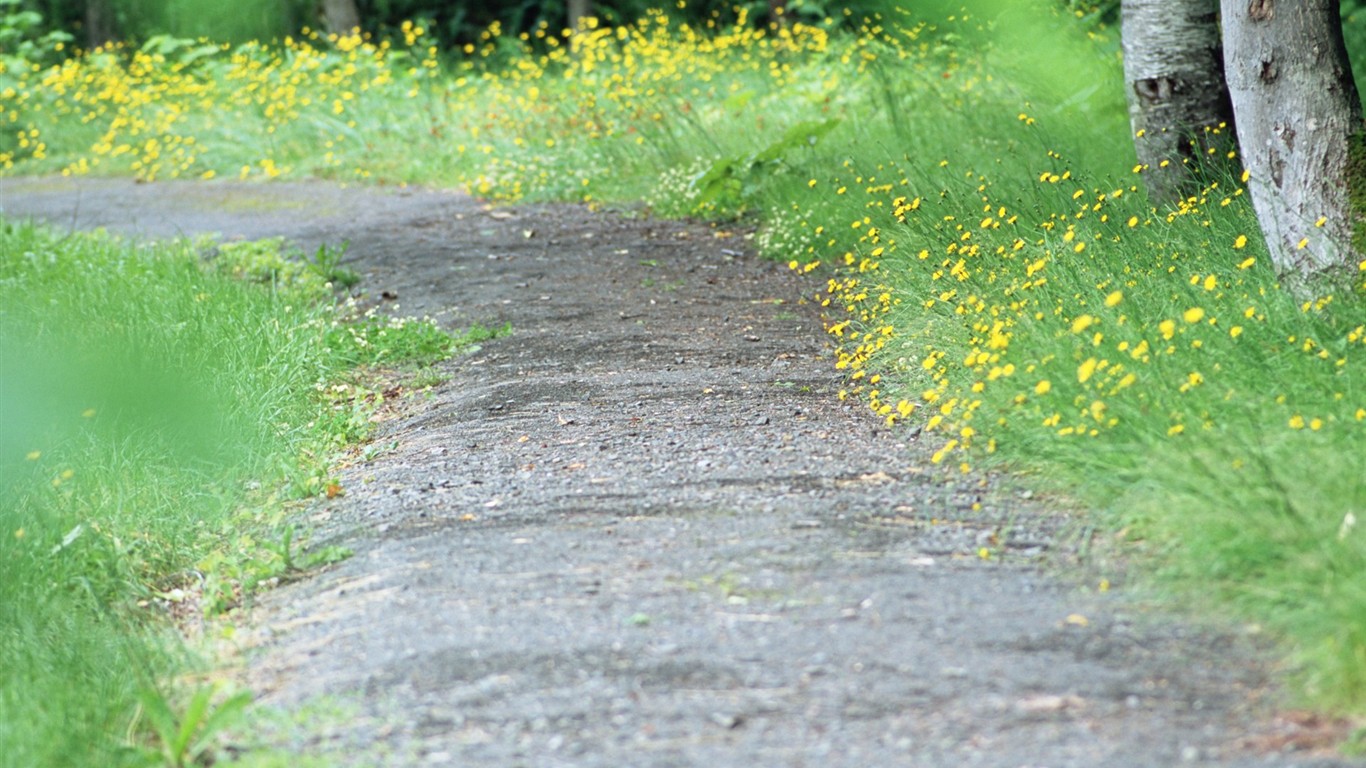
x=138 y=20
x=459 y=22
x=1097 y=12
x=448 y=21
x=23 y=35
x=239 y=21
x=43 y=30
x=1354 y=33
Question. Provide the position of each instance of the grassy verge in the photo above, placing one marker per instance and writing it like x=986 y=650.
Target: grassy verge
x=962 y=187
x=162 y=415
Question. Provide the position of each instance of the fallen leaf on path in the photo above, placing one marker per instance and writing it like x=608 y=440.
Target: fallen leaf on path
x=1076 y=620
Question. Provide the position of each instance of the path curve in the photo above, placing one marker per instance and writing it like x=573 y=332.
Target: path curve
x=642 y=530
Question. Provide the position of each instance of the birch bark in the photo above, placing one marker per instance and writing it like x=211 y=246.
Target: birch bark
x=1178 y=104
x=340 y=17
x=1300 y=129
x=576 y=10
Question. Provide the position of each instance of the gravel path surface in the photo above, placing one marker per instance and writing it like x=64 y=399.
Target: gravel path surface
x=643 y=531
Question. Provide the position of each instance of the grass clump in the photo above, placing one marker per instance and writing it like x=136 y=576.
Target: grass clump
x=143 y=392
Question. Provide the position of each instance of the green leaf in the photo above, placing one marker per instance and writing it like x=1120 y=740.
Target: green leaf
x=161 y=719
x=719 y=179
x=738 y=101
x=189 y=724
x=804 y=134
x=222 y=717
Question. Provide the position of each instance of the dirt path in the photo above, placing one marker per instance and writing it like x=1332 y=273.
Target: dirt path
x=642 y=530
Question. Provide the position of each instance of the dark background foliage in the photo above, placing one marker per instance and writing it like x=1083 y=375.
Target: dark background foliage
x=452 y=22
x=449 y=21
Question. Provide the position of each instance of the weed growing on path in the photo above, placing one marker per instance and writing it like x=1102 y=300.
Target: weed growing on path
x=185 y=735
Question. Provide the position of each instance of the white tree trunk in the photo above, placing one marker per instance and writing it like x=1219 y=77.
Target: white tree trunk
x=1178 y=104
x=1299 y=116
x=340 y=17
x=577 y=10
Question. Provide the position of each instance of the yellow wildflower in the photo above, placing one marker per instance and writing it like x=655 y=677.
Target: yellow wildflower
x=1086 y=370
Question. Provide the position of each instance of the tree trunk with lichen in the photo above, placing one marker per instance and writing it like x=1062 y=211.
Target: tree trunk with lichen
x=1178 y=104
x=1300 y=129
x=340 y=17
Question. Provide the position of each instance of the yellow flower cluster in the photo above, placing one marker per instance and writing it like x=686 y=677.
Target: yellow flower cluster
x=590 y=92
x=505 y=121
x=934 y=293
x=179 y=108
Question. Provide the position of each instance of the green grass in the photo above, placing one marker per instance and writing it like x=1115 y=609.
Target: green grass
x=960 y=187
x=1162 y=376
x=144 y=388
